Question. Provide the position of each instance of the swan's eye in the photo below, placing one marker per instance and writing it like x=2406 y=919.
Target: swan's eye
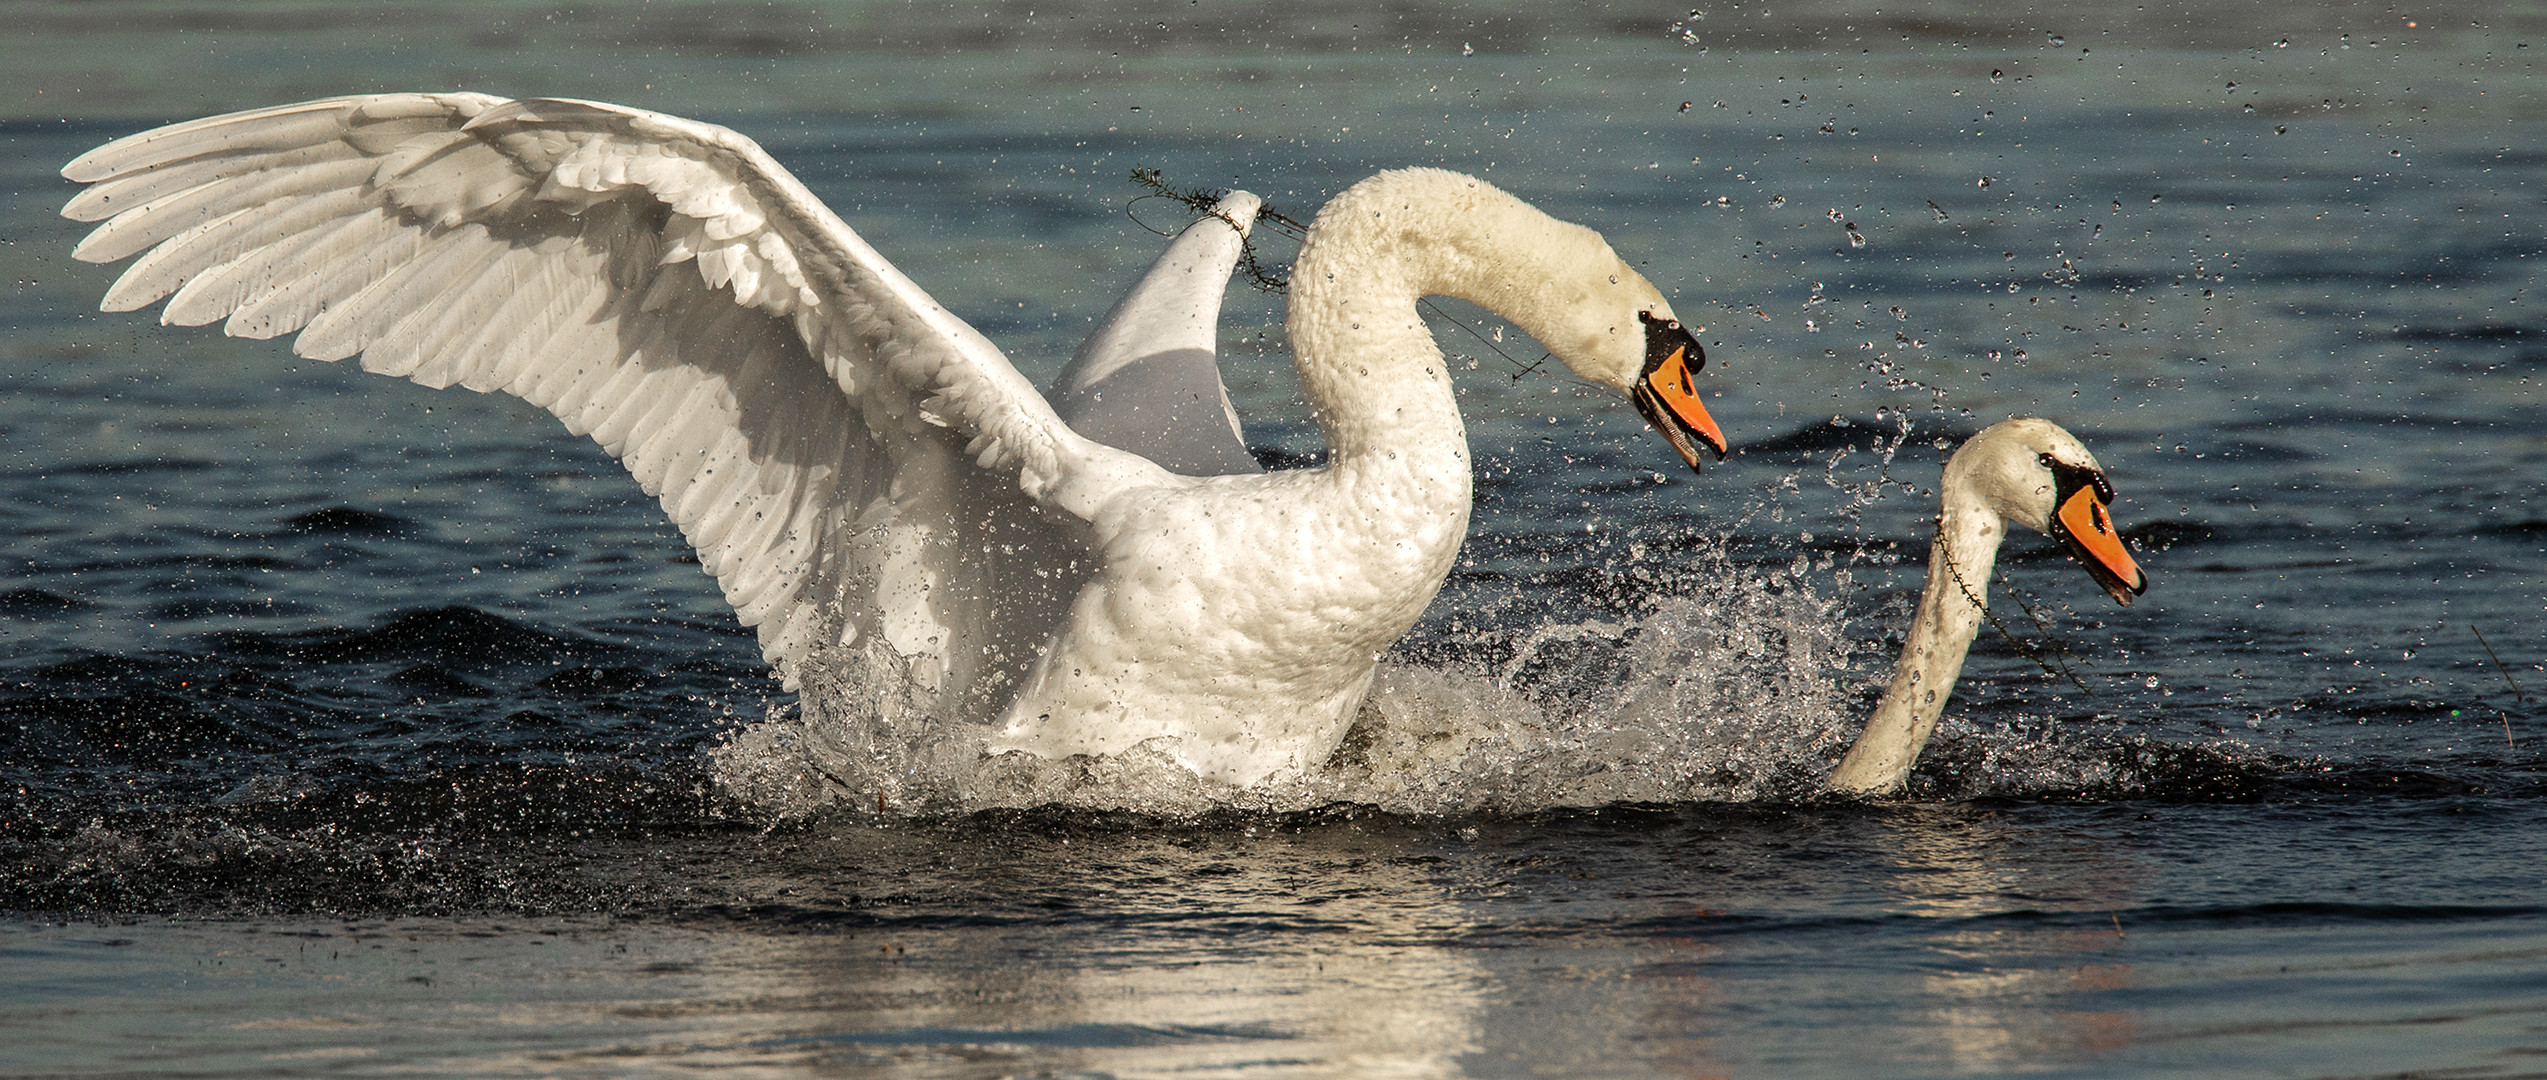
x=2067 y=478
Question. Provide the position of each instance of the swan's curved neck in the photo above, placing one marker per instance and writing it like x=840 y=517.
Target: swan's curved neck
x=1368 y=362
x=1374 y=377
x=1383 y=520
x=1951 y=608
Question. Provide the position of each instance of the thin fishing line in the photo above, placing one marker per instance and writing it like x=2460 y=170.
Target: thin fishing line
x=2517 y=697
x=2053 y=666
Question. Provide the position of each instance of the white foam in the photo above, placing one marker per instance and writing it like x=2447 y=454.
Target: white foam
x=1736 y=687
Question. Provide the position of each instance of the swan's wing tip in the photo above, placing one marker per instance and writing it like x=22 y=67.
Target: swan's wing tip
x=1240 y=208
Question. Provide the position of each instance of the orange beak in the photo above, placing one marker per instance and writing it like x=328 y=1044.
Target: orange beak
x=2082 y=522
x=1667 y=393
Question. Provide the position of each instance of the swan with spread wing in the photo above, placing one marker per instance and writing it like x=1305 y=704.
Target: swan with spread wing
x=861 y=470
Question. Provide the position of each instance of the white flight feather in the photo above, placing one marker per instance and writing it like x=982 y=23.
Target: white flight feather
x=533 y=247
x=858 y=467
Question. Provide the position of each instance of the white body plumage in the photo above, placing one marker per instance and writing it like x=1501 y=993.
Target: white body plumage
x=859 y=468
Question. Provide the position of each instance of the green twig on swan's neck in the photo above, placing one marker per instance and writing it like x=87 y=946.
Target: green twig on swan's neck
x=2051 y=666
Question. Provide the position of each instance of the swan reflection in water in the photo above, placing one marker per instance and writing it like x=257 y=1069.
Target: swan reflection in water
x=1358 y=948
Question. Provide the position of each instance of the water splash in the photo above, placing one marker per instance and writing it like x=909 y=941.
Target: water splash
x=1711 y=668
x=1738 y=685
x=1685 y=29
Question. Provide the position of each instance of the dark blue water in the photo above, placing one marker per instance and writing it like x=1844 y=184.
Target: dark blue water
x=348 y=727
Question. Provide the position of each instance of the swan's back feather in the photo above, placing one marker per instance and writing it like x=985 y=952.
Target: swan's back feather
x=803 y=411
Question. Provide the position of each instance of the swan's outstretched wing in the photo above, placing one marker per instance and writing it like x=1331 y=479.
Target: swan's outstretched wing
x=1147 y=379
x=821 y=430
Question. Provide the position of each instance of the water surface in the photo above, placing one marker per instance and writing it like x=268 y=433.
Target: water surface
x=353 y=728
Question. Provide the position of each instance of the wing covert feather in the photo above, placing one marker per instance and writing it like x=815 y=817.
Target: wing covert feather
x=818 y=427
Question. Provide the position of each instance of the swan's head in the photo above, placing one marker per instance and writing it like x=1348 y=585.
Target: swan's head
x=2032 y=472
x=1430 y=231
x=1665 y=391
x=1609 y=324
x=1624 y=335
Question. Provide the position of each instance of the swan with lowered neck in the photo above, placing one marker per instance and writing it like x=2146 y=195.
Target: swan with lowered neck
x=872 y=483
x=2028 y=471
